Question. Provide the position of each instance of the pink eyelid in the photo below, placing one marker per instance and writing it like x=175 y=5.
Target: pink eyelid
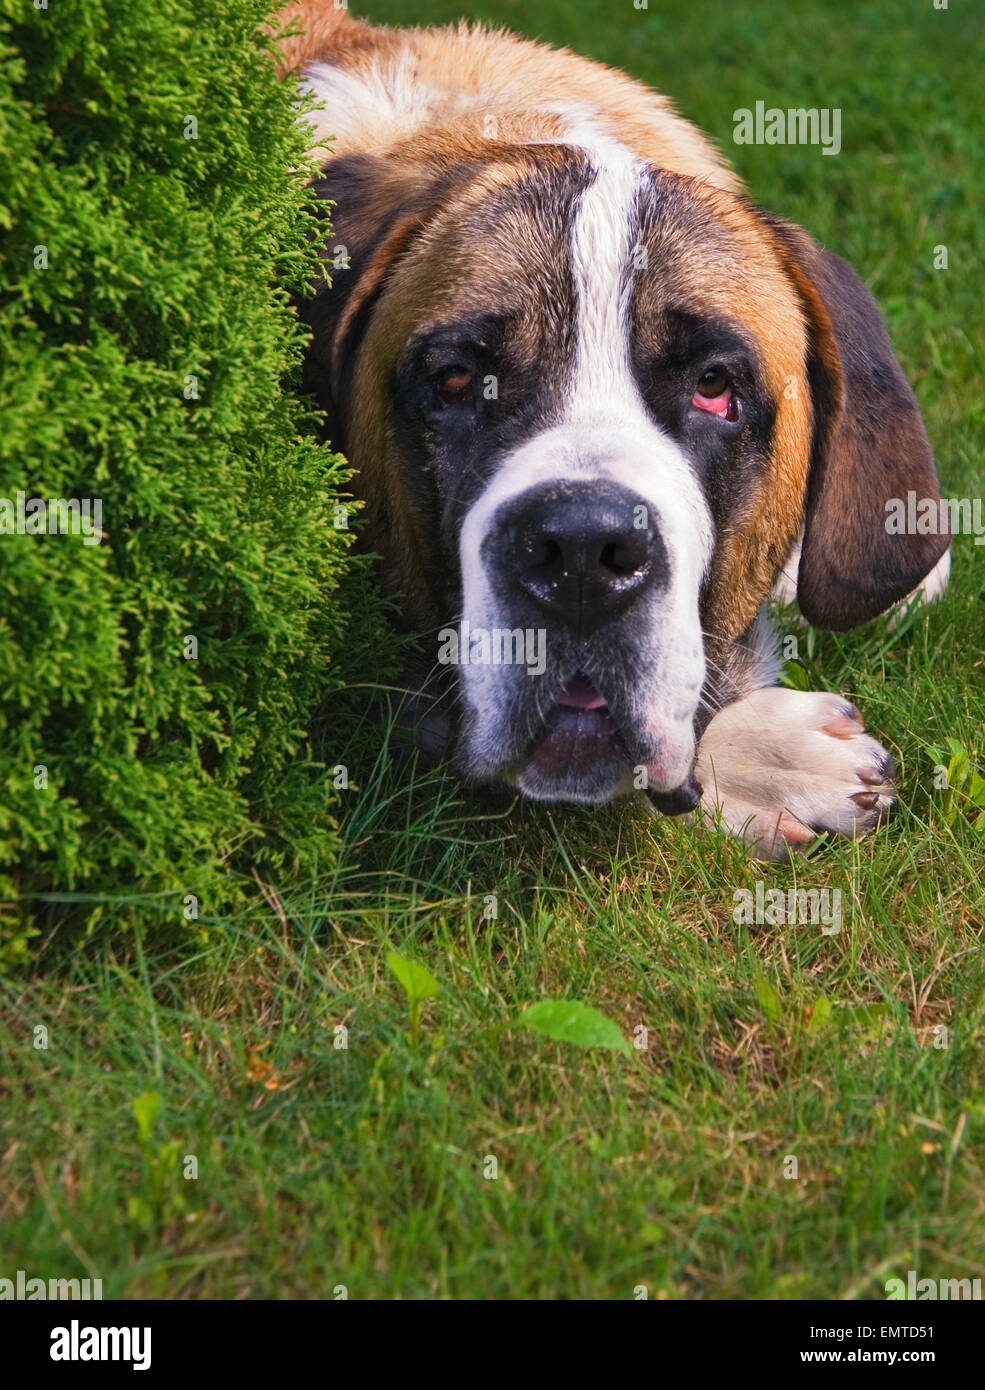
x=717 y=405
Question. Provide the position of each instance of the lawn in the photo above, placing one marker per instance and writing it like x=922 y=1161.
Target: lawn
x=335 y=1147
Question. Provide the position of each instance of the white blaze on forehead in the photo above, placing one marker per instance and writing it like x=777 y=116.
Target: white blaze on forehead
x=605 y=255
x=604 y=273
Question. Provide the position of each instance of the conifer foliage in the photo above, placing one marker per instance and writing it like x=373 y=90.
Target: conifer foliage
x=156 y=687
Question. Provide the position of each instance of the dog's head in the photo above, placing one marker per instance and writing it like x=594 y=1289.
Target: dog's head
x=590 y=405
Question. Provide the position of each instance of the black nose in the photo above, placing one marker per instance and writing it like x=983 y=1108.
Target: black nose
x=582 y=550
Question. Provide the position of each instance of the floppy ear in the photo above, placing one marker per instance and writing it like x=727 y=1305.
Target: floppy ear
x=376 y=211
x=379 y=204
x=869 y=445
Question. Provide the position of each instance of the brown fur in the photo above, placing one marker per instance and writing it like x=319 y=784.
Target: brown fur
x=477 y=72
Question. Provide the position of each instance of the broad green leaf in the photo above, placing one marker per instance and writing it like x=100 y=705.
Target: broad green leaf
x=820 y=1014
x=417 y=982
x=145 y=1109
x=768 y=998
x=566 y=1020
x=958 y=767
x=976 y=790
x=795 y=676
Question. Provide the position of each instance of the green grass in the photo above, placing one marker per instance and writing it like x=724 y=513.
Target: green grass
x=363 y=1166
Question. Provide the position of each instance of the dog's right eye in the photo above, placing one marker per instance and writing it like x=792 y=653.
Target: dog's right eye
x=453 y=386
x=713 y=383
x=714 y=393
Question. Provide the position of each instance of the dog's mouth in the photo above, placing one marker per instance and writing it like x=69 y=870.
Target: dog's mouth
x=579 y=732
x=589 y=739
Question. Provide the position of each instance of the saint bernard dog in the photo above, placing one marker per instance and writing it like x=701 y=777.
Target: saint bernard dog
x=593 y=394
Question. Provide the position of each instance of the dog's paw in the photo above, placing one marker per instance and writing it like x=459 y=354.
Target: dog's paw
x=782 y=765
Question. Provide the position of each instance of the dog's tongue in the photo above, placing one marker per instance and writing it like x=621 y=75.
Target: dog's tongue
x=579 y=693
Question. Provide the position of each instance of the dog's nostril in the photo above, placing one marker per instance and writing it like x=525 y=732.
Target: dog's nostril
x=617 y=557
x=621 y=557
x=539 y=552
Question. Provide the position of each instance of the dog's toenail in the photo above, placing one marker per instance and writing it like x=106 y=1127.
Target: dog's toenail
x=871 y=775
x=793 y=830
x=867 y=800
x=842 y=727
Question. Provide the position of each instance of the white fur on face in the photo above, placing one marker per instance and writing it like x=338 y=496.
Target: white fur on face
x=372 y=105
x=607 y=433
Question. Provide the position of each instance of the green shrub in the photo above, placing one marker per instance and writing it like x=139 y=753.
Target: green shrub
x=146 y=366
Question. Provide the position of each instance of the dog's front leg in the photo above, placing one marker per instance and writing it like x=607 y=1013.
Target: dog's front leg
x=780 y=766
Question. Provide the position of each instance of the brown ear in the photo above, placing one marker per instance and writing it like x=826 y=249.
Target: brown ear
x=379 y=206
x=869 y=446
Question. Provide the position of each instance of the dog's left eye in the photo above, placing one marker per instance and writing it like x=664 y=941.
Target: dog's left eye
x=454 y=386
x=714 y=393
